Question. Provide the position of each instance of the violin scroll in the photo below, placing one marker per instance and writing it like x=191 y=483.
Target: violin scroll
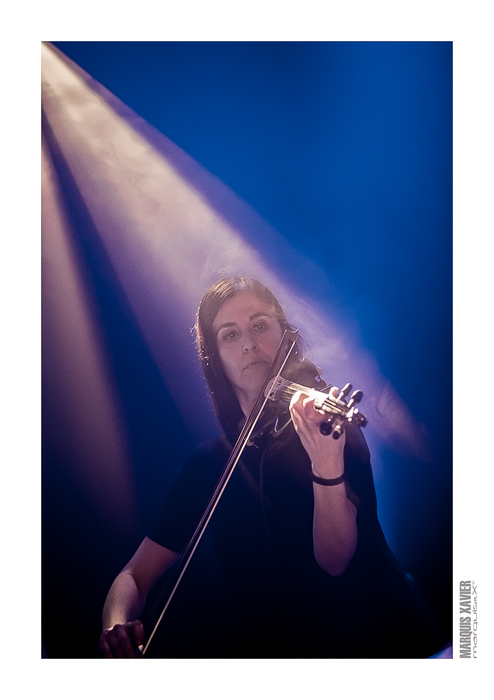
x=334 y=421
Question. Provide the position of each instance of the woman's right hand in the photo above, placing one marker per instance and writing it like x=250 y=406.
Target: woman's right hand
x=127 y=597
x=122 y=641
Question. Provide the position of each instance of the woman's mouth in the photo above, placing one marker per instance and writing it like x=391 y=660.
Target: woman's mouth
x=255 y=363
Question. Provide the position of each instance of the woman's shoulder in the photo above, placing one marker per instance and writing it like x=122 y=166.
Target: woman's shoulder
x=205 y=462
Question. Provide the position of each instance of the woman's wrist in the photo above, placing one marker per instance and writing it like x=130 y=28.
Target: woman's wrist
x=328 y=482
x=328 y=469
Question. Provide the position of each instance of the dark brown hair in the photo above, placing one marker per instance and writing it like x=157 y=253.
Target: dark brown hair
x=224 y=400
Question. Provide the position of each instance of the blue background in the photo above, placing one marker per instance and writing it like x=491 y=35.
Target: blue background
x=346 y=149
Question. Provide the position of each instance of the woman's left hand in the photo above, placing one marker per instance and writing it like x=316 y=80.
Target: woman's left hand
x=325 y=453
x=334 y=525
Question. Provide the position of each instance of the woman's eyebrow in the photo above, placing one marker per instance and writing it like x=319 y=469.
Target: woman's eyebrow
x=229 y=324
x=257 y=314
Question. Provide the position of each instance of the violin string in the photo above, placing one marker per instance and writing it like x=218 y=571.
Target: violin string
x=287 y=392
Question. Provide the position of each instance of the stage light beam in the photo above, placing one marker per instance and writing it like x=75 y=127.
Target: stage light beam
x=167 y=244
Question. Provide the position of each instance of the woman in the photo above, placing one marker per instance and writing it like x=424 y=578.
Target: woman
x=304 y=568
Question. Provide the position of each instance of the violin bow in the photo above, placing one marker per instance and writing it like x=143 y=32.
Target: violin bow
x=179 y=568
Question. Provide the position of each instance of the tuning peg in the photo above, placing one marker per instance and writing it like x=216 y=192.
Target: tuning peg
x=356 y=397
x=337 y=432
x=344 y=392
x=325 y=428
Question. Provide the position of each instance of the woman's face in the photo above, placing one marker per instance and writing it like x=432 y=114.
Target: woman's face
x=247 y=335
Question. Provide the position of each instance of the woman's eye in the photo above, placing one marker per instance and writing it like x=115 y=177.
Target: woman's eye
x=231 y=335
x=261 y=326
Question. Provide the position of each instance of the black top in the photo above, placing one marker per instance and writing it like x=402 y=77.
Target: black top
x=254 y=589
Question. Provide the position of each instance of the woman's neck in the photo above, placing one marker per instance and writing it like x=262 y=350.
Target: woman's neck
x=247 y=402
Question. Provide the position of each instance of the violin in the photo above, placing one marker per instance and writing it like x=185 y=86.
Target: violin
x=278 y=391
x=337 y=409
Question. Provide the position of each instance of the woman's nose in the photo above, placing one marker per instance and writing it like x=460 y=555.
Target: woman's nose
x=249 y=343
